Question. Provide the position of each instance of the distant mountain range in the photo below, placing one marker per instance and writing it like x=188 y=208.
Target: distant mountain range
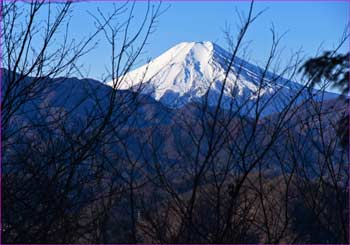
x=170 y=101
x=149 y=123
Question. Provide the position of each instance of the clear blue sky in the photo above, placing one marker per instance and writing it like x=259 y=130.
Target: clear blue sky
x=308 y=25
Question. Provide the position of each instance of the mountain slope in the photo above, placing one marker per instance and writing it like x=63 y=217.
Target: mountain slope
x=80 y=99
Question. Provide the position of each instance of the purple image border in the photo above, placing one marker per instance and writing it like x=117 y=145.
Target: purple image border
x=60 y=1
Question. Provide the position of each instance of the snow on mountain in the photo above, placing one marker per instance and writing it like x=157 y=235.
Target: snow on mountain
x=186 y=71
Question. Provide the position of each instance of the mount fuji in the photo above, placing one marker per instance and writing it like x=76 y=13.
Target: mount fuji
x=194 y=71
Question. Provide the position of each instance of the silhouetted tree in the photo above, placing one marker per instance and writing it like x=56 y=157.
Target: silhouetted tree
x=332 y=68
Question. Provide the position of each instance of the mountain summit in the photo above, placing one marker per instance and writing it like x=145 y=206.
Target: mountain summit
x=185 y=73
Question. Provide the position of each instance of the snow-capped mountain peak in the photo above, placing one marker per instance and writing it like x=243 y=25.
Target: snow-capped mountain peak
x=185 y=73
x=183 y=68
